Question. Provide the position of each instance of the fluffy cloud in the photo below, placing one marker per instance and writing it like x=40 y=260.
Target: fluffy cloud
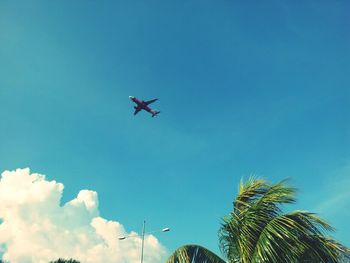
x=36 y=229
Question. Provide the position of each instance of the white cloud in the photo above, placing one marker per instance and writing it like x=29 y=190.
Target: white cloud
x=36 y=229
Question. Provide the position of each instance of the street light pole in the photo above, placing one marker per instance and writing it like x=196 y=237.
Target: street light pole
x=143 y=236
x=143 y=239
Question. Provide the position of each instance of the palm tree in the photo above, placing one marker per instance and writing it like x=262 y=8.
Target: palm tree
x=258 y=231
x=60 y=260
x=192 y=254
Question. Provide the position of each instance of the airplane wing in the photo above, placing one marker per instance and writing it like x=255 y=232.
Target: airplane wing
x=137 y=110
x=150 y=101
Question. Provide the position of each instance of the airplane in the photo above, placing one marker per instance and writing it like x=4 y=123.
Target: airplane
x=143 y=105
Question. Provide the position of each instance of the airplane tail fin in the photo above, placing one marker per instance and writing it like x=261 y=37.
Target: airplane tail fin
x=155 y=113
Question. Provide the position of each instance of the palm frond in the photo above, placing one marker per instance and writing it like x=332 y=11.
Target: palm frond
x=258 y=231
x=61 y=260
x=192 y=254
x=257 y=203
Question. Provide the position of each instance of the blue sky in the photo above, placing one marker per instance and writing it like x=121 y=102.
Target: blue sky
x=244 y=87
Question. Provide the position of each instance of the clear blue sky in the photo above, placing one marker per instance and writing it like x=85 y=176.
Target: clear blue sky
x=245 y=87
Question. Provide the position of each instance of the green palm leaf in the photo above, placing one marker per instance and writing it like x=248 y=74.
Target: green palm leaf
x=65 y=261
x=258 y=231
x=192 y=254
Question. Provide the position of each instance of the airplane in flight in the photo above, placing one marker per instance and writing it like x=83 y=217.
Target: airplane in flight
x=143 y=105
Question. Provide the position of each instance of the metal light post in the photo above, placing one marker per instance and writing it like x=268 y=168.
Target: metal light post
x=143 y=236
x=143 y=239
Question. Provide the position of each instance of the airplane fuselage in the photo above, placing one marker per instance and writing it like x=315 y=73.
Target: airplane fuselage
x=141 y=104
